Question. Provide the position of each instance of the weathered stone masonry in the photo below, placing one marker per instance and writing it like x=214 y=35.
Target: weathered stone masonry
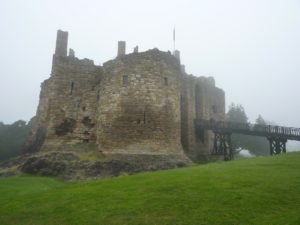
x=139 y=103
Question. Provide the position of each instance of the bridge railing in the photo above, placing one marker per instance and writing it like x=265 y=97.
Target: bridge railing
x=248 y=128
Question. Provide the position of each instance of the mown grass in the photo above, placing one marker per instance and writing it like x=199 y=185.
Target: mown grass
x=262 y=190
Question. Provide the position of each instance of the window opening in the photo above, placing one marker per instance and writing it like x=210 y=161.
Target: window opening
x=125 y=80
x=98 y=95
x=86 y=137
x=166 y=81
x=214 y=109
x=72 y=88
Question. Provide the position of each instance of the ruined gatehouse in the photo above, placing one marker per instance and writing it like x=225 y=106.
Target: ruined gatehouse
x=142 y=103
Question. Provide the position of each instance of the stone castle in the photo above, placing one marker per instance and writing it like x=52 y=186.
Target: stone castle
x=142 y=103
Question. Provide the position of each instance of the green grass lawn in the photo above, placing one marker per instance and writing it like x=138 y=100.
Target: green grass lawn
x=254 y=191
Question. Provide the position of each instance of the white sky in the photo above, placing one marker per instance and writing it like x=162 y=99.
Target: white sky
x=250 y=47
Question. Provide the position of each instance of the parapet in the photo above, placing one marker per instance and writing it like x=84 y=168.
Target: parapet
x=71 y=53
x=208 y=81
x=211 y=81
x=152 y=54
x=182 y=67
x=61 y=43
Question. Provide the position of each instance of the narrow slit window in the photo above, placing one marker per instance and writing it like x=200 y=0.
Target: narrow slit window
x=166 y=81
x=72 y=88
x=98 y=95
x=214 y=109
x=125 y=80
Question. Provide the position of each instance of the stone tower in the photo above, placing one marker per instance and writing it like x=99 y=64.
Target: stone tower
x=121 y=48
x=61 y=43
x=139 y=110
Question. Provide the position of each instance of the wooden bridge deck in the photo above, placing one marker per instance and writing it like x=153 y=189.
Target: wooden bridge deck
x=269 y=131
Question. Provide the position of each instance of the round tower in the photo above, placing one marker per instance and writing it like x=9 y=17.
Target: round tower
x=139 y=107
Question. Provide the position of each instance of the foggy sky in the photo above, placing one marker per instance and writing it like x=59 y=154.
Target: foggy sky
x=251 y=48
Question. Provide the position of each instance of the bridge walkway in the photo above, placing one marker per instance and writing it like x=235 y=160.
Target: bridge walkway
x=276 y=135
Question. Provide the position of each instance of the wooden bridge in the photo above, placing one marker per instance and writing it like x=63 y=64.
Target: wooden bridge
x=277 y=135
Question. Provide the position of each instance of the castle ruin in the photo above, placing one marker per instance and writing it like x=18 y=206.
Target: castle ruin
x=142 y=103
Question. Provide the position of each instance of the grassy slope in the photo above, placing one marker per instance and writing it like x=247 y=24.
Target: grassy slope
x=254 y=191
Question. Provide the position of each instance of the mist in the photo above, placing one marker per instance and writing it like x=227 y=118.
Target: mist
x=251 y=48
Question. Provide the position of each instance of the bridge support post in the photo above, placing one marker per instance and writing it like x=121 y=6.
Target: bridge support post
x=277 y=145
x=222 y=145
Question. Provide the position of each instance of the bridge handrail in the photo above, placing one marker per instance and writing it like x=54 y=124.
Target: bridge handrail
x=249 y=127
